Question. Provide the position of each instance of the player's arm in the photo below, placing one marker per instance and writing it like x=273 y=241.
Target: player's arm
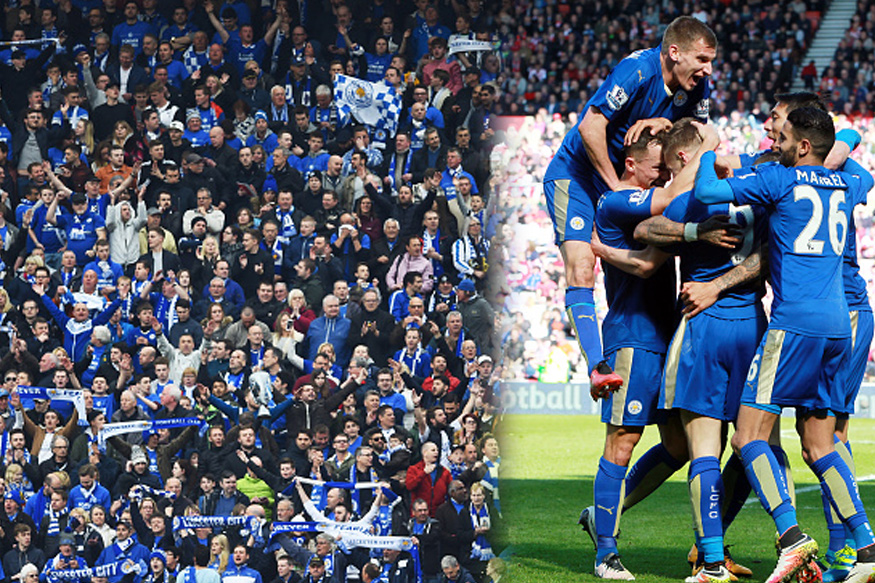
x=854 y=168
x=593 y=131
x=660 y=231
x=708 y=188
x=686 y=177
x=641 y=263
x=846 y=142
x=700 y=295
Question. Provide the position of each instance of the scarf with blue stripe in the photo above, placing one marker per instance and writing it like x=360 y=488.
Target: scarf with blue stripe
x=392 y=167
x=490 y=481
x=481 y=549
x=356 y=494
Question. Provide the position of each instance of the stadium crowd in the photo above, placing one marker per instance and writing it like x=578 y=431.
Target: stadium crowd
x=241 y=335
x=848 y=79
x=557 y=54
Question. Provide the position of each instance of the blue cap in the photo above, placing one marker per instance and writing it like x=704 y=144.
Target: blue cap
x=80 y=48
x=159 y=554
x=466 y=285
x=3 y=393
x=260 y=115
x=14 y=494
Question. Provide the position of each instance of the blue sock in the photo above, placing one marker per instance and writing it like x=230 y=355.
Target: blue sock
x=648 y=473
x=736 y=490
x=849 y=536
x=841 y=489
x=706 y=493
x=833 y=524
x=580 y=306
x=608 y=496
x=766 y=478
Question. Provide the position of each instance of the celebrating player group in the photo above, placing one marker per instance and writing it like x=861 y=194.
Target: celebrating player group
x=637 y=182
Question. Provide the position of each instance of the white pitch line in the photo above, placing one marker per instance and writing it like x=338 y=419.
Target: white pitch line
x=754 y=500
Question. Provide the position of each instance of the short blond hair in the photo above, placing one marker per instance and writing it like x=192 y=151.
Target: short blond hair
x=684 y=31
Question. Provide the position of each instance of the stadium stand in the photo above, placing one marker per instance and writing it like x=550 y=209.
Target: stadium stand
x=245 y=255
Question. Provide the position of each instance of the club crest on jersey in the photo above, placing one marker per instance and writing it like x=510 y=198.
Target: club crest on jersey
x=617 y=97
x=638 y=196
x=680 y=98
x=577 y=223
x=634 y=407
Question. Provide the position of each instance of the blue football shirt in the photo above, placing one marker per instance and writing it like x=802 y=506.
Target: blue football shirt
x=641 y=312
x=701 y=261
x=808 y=210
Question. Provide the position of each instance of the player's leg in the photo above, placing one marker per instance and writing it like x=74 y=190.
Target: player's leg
x=704 y=435
x=625 y=412
x=764 y=474
x=658 y=463
x=580 y=307
x=737 y=355
x=608 y=492
x=783 y=459
x=573 y=213
x=840 y=487
x=841 y=554
x=662 y=460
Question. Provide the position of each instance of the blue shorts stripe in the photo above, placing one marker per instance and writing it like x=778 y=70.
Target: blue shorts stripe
x=793 y=370
x=635 y=403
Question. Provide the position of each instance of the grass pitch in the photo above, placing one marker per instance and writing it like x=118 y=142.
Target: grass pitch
x=548 y=466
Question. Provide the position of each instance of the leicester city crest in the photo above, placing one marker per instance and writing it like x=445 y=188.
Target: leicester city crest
x=680 y=98
x=359 y=94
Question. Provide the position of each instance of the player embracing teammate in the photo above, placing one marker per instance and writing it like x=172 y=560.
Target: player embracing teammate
x=805 y=356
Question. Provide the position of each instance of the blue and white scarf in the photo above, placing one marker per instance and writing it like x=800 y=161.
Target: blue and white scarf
x=490 y=481
x=356 y=495
x=54 y=527
x=481 y=550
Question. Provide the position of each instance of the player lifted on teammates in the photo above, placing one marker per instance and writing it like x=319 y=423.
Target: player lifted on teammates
x=801 y=361
x=646 y=91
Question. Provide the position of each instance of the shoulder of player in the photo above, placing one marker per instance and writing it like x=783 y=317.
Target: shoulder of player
x=624 y=199
x=685 y=207
x=636 y=68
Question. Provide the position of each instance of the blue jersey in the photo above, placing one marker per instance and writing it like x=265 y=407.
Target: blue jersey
x=51 y=237
x=81 y=231
x=131 y=34
x=855 y=286
x=241 y=54
x=634 y=90
x=641 y=313
x=703 y=262
x=808 y=222
x=377 y=65
x=99 y=205
x=198 y=139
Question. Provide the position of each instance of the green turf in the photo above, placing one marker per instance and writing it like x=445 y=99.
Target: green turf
x=547 y=471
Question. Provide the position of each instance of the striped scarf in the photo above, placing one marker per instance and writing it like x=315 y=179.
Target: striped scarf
x=54 y=528
x=490 y=481
x=480 y=548
x=356 y=494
